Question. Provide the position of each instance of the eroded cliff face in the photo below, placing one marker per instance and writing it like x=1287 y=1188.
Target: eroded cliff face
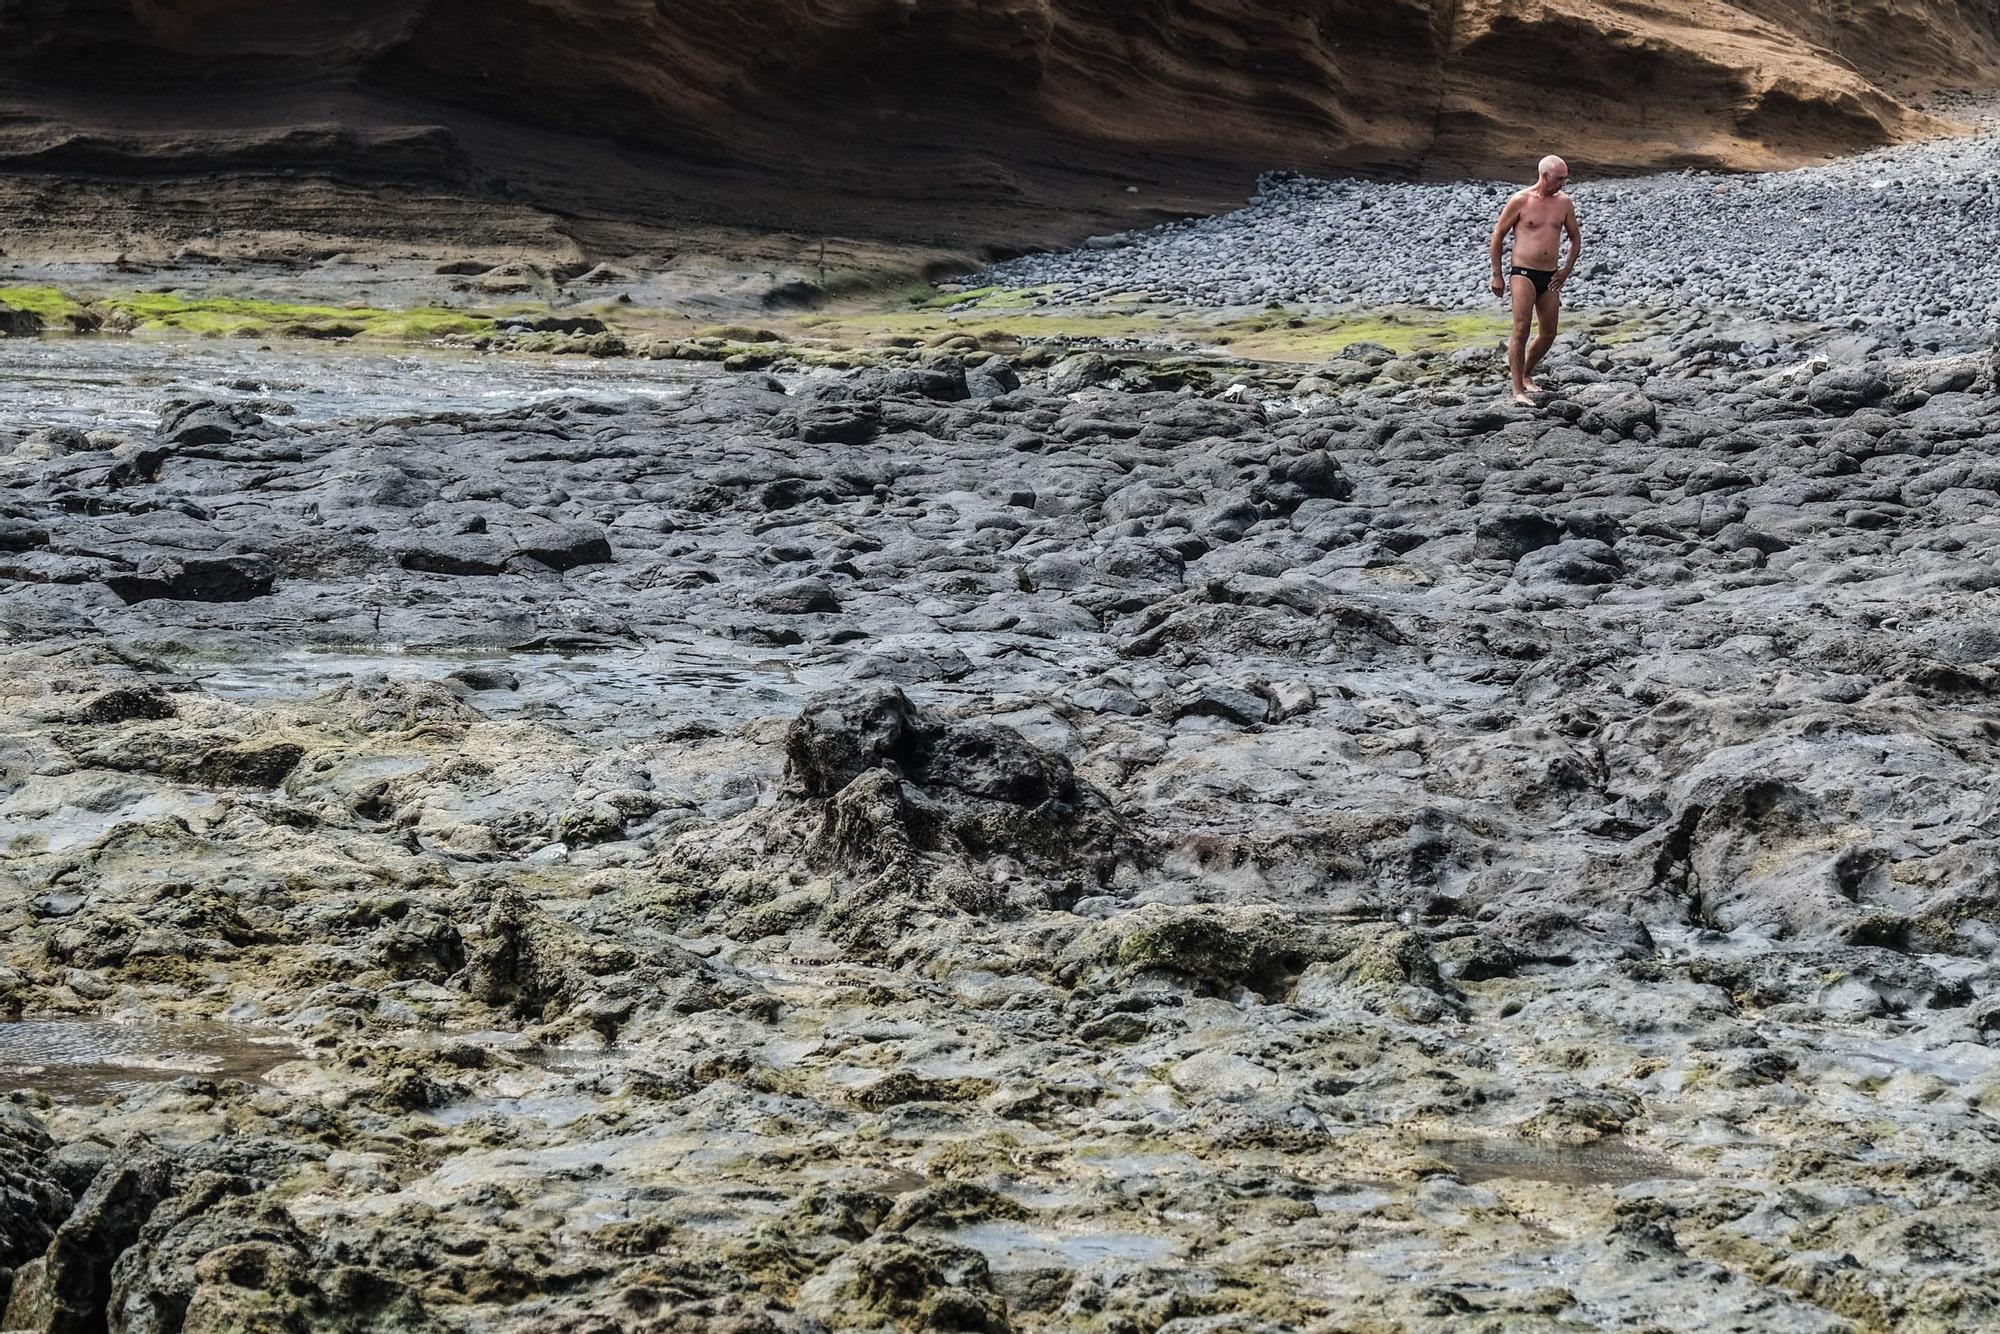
x=967 y=123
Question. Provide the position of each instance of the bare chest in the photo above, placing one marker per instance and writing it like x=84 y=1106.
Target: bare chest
x=1541 y=216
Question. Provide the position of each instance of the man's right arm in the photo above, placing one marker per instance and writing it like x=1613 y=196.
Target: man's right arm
x=1508 y=217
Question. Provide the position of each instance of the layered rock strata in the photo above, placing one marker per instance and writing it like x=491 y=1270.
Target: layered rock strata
x=614 y=123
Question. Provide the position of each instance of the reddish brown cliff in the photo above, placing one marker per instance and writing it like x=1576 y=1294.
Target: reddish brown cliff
x=949 y=122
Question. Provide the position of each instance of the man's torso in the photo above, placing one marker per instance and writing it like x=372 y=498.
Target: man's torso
x=1538 y=231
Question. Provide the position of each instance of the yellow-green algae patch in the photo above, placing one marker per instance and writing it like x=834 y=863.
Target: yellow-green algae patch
x=47 y=304
x=222 y=317
x=849 y=332
x=994 y=317
x=241 y=316
x=1318 y=338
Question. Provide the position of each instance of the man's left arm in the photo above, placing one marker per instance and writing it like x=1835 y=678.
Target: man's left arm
x=1575 y=230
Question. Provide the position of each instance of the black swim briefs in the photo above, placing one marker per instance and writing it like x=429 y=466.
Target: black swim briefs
x=1541 y=278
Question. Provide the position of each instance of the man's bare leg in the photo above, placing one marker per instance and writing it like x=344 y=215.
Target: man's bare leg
x=1548 y=317
x=1522 y=291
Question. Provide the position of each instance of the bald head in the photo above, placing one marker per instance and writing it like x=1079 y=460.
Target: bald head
x=1552 y=174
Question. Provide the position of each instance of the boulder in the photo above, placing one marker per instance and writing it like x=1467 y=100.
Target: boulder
x=1618 y=408
x=1512 y=531
x=555 y=324
x=228 y=1259
x=1217 y=948
x=459 y=555
x=1846 y=388
x=843 y=734
x=844 y=423
x=17 y=323
x=33 y=1199
x=207 y=422
x=1579 y=560
x=942 y=383
x=1318 y=474
x=798 y=597
x=990 y=379
x=198 y=579
x=22 y=535
x=566 y=546
x=896 y=1281
x=68 y=1289
x=1079 y=372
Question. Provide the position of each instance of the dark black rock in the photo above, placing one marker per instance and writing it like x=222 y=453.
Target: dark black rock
x=1245 y=708
x=21 y=535
x=257 y=764
x=16 y=323
x=73 y=1285
x=556 y=324
x=799 y=597
x=842 y=734
x=139 y=468
x=944 y=383
x=206 y=422
x=990 y=379
x=1319 y=475
x=1617 y=408
x=1576 y=561
x=482 y=677
x=567 y=546
x=1844 y=389
x=199 y=579
x=33 y=1199
x=469 y=555
x=1513 y=531
x=998 y=763
x=1593 y=524
x=854 y=423
x=126 y=704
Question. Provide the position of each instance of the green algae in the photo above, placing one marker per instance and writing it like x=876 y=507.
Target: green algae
x=222 y=317
x=48 y=304
x=1319 y=338
x=737 y=333
x=1012 y=321
x=242 y=317
x=997 y=318
x=982 y=298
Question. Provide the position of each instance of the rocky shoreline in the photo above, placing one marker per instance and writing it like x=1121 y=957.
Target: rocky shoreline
x=961 y=845
x=1901 y=242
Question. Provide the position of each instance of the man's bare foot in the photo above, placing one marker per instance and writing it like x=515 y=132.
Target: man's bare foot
x=1522 y=397
x=1531 y=386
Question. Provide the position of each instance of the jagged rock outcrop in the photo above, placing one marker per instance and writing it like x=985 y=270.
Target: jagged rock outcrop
x=945 y=122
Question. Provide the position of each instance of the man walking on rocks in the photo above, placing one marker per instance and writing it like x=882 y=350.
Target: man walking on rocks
x=1537 y=216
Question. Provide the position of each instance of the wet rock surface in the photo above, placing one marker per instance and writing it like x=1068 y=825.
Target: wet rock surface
x=860 y=852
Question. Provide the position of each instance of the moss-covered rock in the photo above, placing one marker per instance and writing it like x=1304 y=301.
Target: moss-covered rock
x=912 y=1284
x=1215 y=947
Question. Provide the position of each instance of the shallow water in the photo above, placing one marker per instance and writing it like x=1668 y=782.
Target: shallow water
x=611 y=690
x=552 y=1107
x=1602 y=1163
x=87 y=1060
x=1018 y=1246
x=30 y=822
x=110 y=383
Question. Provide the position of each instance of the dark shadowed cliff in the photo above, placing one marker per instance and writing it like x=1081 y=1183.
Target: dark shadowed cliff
x=963 y=124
